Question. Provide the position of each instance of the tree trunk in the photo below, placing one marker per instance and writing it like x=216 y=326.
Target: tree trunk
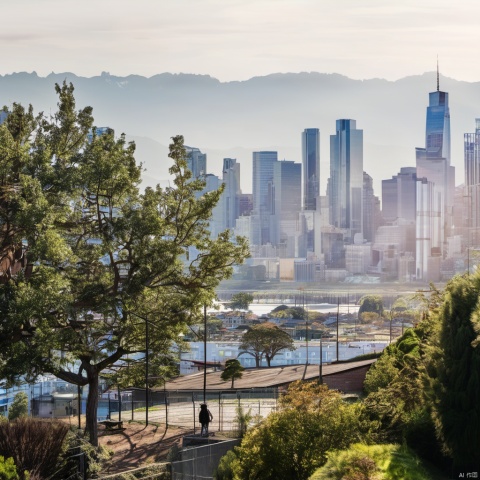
x=233 y=379
x=257 y=361
x=92 y=406
x=268 y=360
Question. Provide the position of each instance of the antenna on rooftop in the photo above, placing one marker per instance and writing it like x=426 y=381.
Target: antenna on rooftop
x=438 y=77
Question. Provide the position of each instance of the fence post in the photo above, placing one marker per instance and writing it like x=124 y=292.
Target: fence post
x=194 y=423
x=166 y=410
x=219 y=400
x=132 y=406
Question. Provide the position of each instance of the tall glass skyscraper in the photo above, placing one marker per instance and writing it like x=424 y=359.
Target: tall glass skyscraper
x=262 y=196
x=433 y=164
x=472 y=183
x=346 y=177
x=311 y=167
x=287 y=186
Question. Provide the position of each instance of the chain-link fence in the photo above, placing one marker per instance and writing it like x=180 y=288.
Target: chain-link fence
x=231 y=410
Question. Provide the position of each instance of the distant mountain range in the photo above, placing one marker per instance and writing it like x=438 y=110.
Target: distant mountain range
x=232 y=119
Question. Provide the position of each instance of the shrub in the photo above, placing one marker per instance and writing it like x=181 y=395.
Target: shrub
x=8 y=471
x=35 y=445
x=374 y=462
x=225 y=470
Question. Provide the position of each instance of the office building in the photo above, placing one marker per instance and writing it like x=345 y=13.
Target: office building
x=434 y=203
x=196 y=162
x=346 y=178
x=287 y=185
x=230 y=200
x=398 y=196
x=311 y=167
x=472 y=185
x=262 y=196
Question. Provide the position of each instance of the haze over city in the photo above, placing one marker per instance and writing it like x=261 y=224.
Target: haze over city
x=236 y=40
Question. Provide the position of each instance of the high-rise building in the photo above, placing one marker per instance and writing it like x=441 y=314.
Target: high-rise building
x=371 y=209
x=311 y=167
x=287 y=186
x=262 y=196
x=398 y=196
x=230 y=200
x=472 y=184
x=433 y=164
x=196 y=161
x=346 y=178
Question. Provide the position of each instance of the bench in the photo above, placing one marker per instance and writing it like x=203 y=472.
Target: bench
x=111 y=425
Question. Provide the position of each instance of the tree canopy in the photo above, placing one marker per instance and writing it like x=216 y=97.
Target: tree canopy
x=265 y=340
x=371 y=303
x=233 y=371
x=456 y=378
x=87 y=259
x=241 y=301
x=292 y=443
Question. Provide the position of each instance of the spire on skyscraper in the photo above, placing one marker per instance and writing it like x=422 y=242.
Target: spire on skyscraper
x=438 y=77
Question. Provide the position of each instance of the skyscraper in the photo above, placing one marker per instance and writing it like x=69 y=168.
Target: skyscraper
x=196 y=161
x=287 y=186
x=346 y=177
x=399 y=196
x=262 y=196
x=472 y=183
x=230 y=199
x=433 y=164
x=310 y=167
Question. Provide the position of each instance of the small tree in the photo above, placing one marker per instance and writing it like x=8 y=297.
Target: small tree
x=371 y=303
x=233 y=370
x=266 y=340
x=241 y=301
x=19 y=406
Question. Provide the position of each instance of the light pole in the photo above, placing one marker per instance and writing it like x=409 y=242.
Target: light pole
x=204 y=353
x=320 y=365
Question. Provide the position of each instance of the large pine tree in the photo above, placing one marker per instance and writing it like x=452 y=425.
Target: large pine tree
x=457 y=395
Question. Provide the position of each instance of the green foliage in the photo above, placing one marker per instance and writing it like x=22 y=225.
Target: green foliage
x=87 y=256
x=19 y=406
x=456 y=378
x=225 y=469
x=241 y=301
x=233 y=371
x=399 y=391
x=292 y=443
x=298 y=313
x=368 y=462
x=266 y=340
x=8 y=471
x=371 y=303
x=243 y=419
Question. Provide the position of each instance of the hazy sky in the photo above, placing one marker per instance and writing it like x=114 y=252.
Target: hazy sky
x=238 y=39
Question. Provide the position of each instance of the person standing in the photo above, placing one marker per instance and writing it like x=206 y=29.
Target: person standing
x=204 y=417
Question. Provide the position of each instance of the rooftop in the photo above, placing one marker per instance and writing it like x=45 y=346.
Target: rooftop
x=262 y=377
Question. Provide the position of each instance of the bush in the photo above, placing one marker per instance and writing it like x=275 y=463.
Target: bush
x=35 y=445
x=225 y=470
x=19 y=406
x=8 y=471
x=379 y=462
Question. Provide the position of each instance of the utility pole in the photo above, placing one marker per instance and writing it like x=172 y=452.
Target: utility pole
x=204 y=354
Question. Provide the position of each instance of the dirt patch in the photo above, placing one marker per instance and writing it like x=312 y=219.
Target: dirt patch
x=138 y=445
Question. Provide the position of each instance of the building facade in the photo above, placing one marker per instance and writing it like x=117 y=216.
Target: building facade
x=346 y=178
